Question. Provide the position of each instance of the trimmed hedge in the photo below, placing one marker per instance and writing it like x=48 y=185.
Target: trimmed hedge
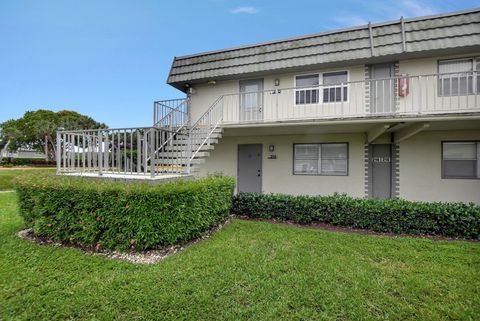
x=395 y=215
x=123 y=216
x=10 y=161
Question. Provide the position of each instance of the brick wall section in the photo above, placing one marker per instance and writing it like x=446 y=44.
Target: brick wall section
x=395 y=170
x=367 y=89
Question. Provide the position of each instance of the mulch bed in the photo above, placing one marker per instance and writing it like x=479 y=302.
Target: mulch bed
x=335 y=228
x=143 y=257
x=154 y=256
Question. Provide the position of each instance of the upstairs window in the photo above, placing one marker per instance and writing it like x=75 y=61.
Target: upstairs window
x=461 y=159
x=307 y=92
x=321 y=159
x=477 y=74
x=335 y=87
x=457 y=77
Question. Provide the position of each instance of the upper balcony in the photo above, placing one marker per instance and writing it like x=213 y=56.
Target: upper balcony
x=403 y=96
x=395 y=97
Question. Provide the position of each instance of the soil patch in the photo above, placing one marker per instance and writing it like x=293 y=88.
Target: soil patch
x=138 y=257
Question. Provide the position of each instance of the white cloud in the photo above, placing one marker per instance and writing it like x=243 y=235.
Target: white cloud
x=415 y=8
x=349 y=21
x=410 y=9
x=248 y=10
x=383 y=12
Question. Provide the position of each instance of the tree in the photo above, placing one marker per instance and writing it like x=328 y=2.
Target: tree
x=37 y=129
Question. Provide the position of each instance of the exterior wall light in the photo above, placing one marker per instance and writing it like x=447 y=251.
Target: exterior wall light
x=271 y=148
x=212 y=82
x=277 y=82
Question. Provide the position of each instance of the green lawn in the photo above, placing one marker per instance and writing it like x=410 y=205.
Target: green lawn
x=7 y=175
x=247 y=271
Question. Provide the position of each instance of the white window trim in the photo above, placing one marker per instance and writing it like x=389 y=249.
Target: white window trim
x=347 y=158
x=306 y=88
x=475 y=73
x=477 y=159
x=320 y=88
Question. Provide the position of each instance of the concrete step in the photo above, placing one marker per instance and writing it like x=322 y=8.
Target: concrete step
x=194 y=169
x=185 y=141
x=217 y=130
x=198 y=138
x=200 y=154
x=182 y=148
x=213 y=135
x=179 y=162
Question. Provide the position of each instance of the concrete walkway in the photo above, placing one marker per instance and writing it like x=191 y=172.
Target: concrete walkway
x=9 y=191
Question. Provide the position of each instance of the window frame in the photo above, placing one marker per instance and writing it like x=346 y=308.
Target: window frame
x=475 y=75
x=443 y=176
x=320 y=88
x=347 y=173
x=335 y=86
x=297 y=89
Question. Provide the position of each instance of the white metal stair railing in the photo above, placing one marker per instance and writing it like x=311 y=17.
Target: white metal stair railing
x=171 y=114
x=143 y=151
x=170 y=160
x=201 y=132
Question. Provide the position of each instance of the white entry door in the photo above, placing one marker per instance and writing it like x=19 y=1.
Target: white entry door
x=251 y=100
x=382 y=89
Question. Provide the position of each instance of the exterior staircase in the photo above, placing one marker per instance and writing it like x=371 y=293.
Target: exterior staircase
x=188 y=145
x=177 y=152
x=172 y=146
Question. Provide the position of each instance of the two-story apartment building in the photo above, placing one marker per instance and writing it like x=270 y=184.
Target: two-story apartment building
x=383 y=110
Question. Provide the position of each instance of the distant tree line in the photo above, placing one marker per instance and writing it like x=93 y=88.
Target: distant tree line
x=36 y=130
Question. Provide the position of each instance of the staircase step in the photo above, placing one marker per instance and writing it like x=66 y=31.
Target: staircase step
x=198 y=139
x=161 y=155
x=185 y=141
x=179 y=162
x=175 y=155
x=184 y=148
x=194 y=169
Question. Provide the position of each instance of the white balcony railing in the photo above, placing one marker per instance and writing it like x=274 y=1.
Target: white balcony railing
x=121 y=151
x=170 y=114
x=396 y=96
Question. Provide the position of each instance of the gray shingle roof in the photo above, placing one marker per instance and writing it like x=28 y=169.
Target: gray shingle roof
x=363 y=43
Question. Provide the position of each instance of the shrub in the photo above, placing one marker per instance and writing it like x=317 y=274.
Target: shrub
x=395 y=215
x=123 y=216
x=10 y=161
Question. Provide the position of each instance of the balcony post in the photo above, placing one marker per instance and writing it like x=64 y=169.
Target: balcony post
x=58 y=151
x=152 y=152
x=420 y=94
x=100 y=152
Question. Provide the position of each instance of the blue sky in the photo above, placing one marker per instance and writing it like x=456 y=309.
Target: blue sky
x=109 y=59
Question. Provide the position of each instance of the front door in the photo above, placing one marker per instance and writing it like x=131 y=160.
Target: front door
x=250 y=168
x=381 y=167
x=382 y=89
x=251 y=99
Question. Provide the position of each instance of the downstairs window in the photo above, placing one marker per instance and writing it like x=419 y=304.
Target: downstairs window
x=321 y=159
x=461 y=159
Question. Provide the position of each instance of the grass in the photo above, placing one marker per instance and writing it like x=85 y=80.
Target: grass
x=246 y=271
x=7 y=175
